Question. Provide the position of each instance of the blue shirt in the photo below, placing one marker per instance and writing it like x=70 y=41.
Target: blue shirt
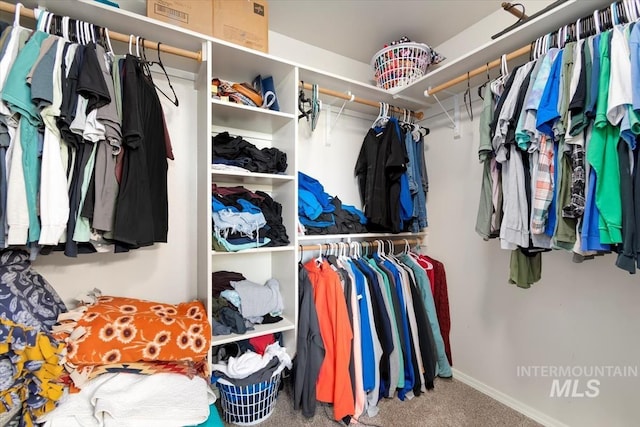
x=595 y=78
x=548 y=108
x=404 y=330
x=590 y=223
x=634 y=49
x=366 y=339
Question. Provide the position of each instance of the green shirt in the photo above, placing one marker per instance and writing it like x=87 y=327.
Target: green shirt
x=602 y=154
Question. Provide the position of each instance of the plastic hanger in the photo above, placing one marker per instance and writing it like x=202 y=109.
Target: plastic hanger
x=130 y=43
x=79 y=32
x=41 y=17
x=315 y=106
x=380 y=115
x=302 y=100
x=108 y=42
x=467 y=98
x=596 y=21
x=65 y=28
x=629 y=12
x=149 y=64
x=16 y=17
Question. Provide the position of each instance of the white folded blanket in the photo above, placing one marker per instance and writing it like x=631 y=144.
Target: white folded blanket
x=128 y=400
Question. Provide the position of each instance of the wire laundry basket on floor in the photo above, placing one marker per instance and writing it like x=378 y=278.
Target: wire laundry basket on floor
x=248 y=405
x=400 y=64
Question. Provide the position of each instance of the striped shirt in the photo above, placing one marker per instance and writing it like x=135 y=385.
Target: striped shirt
x=543 y=188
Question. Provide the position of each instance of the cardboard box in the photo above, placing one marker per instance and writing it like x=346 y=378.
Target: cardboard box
x=194 y=15
x=243 y=22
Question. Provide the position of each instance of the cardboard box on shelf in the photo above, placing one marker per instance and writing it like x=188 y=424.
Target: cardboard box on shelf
x=243 y=22
x=194 y=15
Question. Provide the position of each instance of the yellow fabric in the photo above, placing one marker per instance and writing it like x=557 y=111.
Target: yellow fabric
x=45 y=349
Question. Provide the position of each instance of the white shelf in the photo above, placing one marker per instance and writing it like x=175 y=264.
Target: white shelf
x=125 y=22
x=267 y=249
x=320 y=237
x=240 y=64
x=550 y=21
x=254 y=178
x=283 y=325
x=238 y=116
x=362 y=90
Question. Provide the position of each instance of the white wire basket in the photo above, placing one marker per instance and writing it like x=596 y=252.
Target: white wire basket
x=248 y=405
x=401 y=64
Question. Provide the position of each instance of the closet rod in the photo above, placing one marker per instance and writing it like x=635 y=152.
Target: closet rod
x=396 y=243
x=417 y=114
x=525 y=50
x=29 y=13
x=480 y=70
x=509 y=7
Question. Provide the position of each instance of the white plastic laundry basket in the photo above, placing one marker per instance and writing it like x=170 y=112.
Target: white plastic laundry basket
x=248 y=405
x=401 y=64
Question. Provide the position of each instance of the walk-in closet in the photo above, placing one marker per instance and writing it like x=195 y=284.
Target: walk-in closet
x=301 y=212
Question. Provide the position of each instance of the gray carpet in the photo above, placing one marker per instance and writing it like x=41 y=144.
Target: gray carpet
x=451 y=404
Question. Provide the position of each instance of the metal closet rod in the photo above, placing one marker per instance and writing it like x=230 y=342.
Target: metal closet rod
x=396 y=243
x=29 y=13
x=417 y=114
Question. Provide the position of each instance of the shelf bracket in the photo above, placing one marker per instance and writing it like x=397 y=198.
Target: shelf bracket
x=455 y=120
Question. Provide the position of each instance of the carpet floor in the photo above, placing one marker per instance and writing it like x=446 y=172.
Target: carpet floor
x=451 y=404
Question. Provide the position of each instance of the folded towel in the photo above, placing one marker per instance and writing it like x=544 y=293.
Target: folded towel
x=128 y=400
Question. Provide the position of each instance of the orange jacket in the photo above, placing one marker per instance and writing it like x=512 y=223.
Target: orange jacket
x=334 y=381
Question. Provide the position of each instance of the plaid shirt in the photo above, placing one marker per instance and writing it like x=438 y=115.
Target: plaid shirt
x=544 y=187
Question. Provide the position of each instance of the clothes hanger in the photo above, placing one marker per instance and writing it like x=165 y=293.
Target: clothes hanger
x=130 y=43
x=406 y=247
x=629 y=12
x=79 y=32
x=159 y=63
x=108 y=43
x=380 y=110
x=93 y=33
x=41 y=20
x=634 y=6
x=467 y=98
x=315 y=106
x=16 y=16
x=302 y=100
x=319 y=259
x=65 y=28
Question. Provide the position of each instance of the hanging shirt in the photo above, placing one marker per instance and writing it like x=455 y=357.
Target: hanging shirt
x=603 y=156
x=334 y=380
x=380 y=165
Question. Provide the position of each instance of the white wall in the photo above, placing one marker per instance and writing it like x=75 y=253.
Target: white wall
x=330 y=156
x=162 y=272
x=311 y=56
x=577 y=315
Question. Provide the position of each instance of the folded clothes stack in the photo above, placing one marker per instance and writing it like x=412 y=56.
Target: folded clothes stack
x=260 y=93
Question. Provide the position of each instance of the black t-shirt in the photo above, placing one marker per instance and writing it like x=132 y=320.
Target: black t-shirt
x=91 y=83
x=133 y=223
x=381 y=162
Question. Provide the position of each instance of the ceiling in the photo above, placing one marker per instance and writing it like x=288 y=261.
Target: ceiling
x=357 y=29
